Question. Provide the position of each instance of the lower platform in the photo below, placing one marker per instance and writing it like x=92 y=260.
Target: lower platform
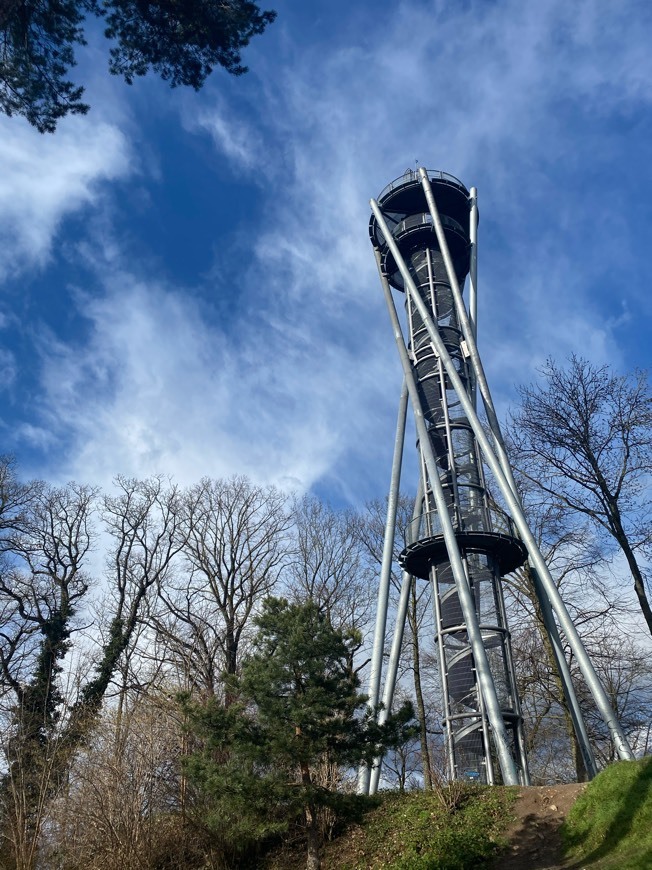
x=509 y=552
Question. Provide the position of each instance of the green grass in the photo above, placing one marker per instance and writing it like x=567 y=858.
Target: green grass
x=610 y=825
x=416 y=831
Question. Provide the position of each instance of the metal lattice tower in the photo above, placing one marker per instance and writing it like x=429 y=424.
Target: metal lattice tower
x=424 y=233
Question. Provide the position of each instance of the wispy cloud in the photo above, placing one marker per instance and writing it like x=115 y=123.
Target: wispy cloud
x=46 y=178
x=155 y=388
x=239 y=140
x=7 y=369
x=290 y=375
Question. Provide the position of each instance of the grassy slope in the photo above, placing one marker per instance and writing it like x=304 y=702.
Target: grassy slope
x=610 y=825
x=608 y=828
x=417 y=831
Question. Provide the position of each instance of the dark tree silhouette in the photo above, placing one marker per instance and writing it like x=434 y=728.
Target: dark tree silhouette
x=180 y=40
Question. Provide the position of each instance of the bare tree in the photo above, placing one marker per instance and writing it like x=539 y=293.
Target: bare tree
x=234 y=543
x=143 y=522
x=121 y=803
x=15 y=498
x=579 y=562
x=18 y=635
x=42 y=583
x=329 y=563
x=625 y=670
x=584 y=438
x=232 y=535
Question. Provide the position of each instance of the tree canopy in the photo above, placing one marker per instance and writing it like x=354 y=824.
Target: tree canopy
x=299 y=709
x=180 y=40
x=101 y=767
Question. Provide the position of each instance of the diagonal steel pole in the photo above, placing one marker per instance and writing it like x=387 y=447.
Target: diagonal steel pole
x=505 y=481
x=572 y=703
x=469 y=330
x=473 y=277
x=385 y=573
x=485 y=678
x=397 y=644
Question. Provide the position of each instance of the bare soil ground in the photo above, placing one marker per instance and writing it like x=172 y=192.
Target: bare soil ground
x=535 y=840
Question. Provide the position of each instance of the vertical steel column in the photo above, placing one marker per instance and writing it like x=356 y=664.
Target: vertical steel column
x=441 y=655
x=519 y=731
x=395 y=651
x=485 y=678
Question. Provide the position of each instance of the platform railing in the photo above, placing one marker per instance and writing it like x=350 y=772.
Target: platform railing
x=413 y=175
x=428 y=525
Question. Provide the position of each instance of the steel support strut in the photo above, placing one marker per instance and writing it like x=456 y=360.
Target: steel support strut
x=568 y=689
x=469 y=329
x=395 y=651
x=485 y=678
x=385 y=572
x=499 y=465
x=473 y=275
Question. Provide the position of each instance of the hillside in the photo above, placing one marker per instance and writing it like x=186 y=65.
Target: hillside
x=606 y=825
x=610 y=825
x=453 y=829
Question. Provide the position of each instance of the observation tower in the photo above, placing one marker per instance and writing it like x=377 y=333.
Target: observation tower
x=423 y=229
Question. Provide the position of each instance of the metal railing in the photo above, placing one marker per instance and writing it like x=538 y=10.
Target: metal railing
x=413 y=175
x=485 y=519
x=417 y=220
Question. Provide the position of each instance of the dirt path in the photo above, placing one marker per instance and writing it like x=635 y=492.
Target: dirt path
x=534 y=836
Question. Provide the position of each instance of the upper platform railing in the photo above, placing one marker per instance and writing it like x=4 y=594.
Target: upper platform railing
x=413 y=175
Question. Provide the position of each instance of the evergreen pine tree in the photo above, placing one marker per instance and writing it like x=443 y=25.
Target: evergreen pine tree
x=299 y=706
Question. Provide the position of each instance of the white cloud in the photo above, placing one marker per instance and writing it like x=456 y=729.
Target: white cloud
x=7 y=369
x=46 y=178
x=302 y=383
x=157 y=389
x=476 y=90
x=479 y=90
x=239 y=140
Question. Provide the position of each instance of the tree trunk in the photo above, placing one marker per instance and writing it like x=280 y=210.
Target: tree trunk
x=639 y=583
x=231 y=647
x=313 y=859
x=313 y=844
x=231 y=661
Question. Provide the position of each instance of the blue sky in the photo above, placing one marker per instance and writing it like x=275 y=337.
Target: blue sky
x=187 y=282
